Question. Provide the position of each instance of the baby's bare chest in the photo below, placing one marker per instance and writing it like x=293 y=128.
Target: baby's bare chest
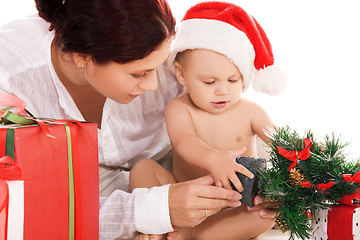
x=224 y=132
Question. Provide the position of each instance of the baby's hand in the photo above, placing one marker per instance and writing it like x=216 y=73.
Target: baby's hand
x=224 y=167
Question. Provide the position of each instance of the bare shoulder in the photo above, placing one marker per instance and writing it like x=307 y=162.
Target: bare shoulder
x=178 y=118
x=178 y=105
x=250 y=106
x=179 y=102
x=258 y=115
x=259 y=118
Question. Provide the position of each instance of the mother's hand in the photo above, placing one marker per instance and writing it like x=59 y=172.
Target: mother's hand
x=266 y=209
x=192 y=201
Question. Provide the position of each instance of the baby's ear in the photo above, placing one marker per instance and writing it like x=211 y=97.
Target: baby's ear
x=179 y=73
x=242 y=82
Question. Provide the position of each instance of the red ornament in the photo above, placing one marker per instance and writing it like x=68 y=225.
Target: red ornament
x=320 y=187
x=294 y=156
x=308 y=214
x=355 y=178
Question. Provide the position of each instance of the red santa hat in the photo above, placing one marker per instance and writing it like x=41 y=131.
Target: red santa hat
x=227 y=29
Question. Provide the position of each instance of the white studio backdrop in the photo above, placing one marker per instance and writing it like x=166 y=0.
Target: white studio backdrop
x=316 y=42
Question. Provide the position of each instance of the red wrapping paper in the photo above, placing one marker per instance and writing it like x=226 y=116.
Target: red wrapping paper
x=340 y=223
x=44 y=164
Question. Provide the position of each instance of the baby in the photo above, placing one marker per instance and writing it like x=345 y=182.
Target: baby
x=218 y=51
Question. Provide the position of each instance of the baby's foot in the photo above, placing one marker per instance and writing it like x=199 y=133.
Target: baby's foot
x=181 y=234
x=142 y=236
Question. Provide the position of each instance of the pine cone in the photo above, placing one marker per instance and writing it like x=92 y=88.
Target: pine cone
x=281 y=224
x=296 y=177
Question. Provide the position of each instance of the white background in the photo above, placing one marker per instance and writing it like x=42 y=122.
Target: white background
x=316 y=42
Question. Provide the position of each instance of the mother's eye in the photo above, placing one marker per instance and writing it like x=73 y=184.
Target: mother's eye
x=139 y=76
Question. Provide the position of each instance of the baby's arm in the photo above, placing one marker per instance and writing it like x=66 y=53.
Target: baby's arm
x=220 y=164
x=261 y=122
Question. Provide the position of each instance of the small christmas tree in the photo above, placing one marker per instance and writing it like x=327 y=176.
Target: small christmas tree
x=305 y=175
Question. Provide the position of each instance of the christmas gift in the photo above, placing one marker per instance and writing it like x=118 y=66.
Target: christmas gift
x=340 y=221
x=53 y=192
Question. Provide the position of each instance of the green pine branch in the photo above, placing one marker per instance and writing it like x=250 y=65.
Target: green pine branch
x=327 y=163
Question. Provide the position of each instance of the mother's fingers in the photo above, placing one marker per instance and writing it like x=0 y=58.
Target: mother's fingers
x=215 y=204
x=188 y=201
x=266 y=208
x=205 y=180
x=213 y=192
x=268 y=212
x=211 y=197
x=263 y=205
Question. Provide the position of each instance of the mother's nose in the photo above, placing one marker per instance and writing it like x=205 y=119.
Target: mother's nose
x=150 y=83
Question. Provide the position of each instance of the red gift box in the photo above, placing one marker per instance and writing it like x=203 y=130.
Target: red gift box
x=341 y=222
x=61 y=179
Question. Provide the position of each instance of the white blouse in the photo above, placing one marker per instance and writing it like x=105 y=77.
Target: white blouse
x=129 y=132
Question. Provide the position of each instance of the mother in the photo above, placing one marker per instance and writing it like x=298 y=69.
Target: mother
x=101 y=61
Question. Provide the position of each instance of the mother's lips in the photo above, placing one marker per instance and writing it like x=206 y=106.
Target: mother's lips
x=134 y=95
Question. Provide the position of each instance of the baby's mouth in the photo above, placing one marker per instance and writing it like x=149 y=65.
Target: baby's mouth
x=220 y=104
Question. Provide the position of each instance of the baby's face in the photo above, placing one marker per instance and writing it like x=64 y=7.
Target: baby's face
x=214 y=83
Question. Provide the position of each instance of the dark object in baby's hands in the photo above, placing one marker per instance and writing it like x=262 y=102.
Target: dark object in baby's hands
x=250 y=185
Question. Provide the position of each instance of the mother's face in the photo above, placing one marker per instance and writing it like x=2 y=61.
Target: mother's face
x=124 y=82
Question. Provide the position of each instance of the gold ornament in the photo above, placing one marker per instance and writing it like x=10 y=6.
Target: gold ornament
x=296 y=177
x=281 y=224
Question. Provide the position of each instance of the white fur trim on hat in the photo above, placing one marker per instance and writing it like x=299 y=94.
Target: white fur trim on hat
x=270 y=80
x=217 y=36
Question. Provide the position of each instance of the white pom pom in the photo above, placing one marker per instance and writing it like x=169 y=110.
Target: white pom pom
x=270 y=80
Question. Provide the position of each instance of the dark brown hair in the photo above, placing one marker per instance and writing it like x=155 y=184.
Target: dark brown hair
x=109 y=30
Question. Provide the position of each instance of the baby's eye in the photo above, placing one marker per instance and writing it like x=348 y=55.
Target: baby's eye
x=233 y=80
x=209 y=82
